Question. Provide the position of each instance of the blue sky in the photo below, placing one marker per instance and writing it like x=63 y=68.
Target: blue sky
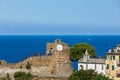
x=59 y=17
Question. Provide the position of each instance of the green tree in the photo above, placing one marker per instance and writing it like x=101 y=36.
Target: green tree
x=101 y=77
x=87 y=75
x=23 y=76
x=77 y=51
x=82 y=75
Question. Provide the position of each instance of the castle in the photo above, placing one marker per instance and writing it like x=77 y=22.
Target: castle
x=56 y=63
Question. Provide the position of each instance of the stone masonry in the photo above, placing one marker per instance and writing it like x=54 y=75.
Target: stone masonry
x=56 y=65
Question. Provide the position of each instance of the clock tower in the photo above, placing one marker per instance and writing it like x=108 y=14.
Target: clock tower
x=59 y=50
x=60 y=55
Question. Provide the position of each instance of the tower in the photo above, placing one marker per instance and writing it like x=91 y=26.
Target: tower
x=60 y=55
x=59 y=50
x=86 y=56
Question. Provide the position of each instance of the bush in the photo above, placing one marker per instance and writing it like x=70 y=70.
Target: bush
x=28 y=65
x=23 y=76
x=87 y=75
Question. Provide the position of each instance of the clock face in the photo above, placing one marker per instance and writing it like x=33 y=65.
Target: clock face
x=59 y=47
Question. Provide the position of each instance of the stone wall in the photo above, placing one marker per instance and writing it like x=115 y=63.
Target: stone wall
x=48 y=67
x=3 y=63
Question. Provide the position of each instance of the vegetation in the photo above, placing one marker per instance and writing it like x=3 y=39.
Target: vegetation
x=77 y=51
x=23 y=76
x=87 y=75
x=101 y=77
x=28 y=65
x=20 y=66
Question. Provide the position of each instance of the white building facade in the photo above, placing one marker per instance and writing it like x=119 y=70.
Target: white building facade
x=97 y=64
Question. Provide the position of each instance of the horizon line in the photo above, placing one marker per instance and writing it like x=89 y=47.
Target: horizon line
x=61 y=35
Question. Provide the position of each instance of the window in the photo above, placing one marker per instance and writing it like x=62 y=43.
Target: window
x=113 y=57
x=112 y=67
x=110 y=57
x=107 y=66
x=81 y=66
x=95 y=66
x=86 y=66
x=119 y=59
x=102 y=66
x=50 y=52
x=107 y=57
x=58 y=41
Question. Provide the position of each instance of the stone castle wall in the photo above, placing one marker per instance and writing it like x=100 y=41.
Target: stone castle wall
x=56 y=65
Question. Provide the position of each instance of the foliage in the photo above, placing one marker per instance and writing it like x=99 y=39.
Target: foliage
x=101 y=77
x=28 y=65
x=82 y=75
x=87 y=75
x=23 y=76
x=77 y=51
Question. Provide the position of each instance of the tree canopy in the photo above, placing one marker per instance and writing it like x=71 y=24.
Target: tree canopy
x=77 y=51
x=87 y=75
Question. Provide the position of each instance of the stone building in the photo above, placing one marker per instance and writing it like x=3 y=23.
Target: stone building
x=58 y=50
x=97 y=64
x=55 y=64
x=113 y=63
x=60 y=53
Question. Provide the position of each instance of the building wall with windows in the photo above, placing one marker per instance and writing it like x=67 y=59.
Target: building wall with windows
x=113 y=63
x=97 y=64
x=99 y=68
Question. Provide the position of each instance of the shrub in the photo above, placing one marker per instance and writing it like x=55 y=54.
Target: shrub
x=28 y=65
x=23 y=76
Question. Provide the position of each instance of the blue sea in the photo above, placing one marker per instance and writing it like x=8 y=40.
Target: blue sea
x=16 y=48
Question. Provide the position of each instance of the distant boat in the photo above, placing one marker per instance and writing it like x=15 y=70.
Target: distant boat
x=89 y=39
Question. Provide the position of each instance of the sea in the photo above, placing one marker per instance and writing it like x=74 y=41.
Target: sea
x=16 y=48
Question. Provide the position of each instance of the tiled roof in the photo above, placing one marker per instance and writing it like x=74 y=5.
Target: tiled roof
x=94 y=60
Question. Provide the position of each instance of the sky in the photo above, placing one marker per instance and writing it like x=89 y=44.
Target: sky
x=59 y=17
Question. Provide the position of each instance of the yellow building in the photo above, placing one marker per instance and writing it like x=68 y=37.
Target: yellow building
x=113 y=63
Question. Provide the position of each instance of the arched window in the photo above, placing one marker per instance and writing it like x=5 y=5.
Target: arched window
x=112 y=67
x=50 y=52
x=81 y=66
x=107 y=67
